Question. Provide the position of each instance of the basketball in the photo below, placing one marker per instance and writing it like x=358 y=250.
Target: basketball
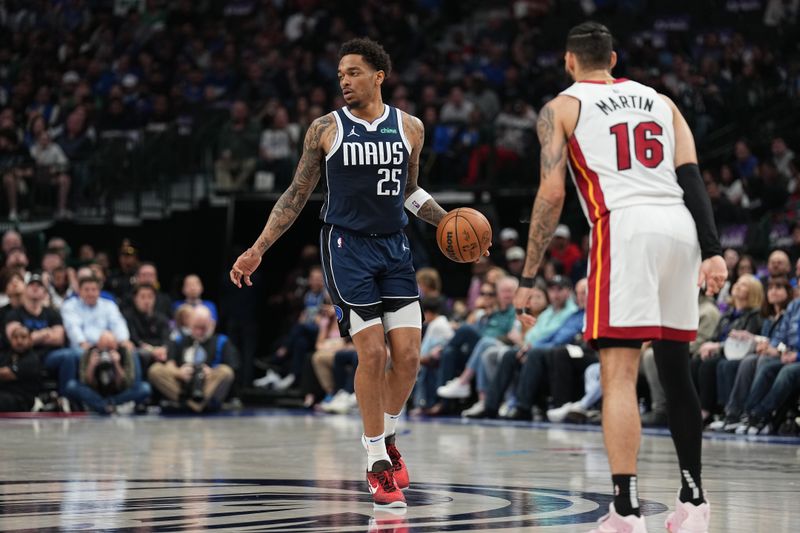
x=464 y=235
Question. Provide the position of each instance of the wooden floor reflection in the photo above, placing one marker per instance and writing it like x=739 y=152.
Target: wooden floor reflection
x=285 y=471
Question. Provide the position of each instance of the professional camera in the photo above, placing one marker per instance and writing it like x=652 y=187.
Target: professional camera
x=105 y=373
x=197 y=384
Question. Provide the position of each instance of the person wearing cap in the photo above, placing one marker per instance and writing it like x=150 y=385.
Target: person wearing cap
x=515 y=261
x=508 y=237
x=559 y=292
x=46 y=331
x=539 y=339
x=70 y=78
x=562 y=249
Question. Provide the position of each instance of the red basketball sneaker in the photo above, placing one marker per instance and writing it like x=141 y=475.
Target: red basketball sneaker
x=398 y=466
x=384 y=490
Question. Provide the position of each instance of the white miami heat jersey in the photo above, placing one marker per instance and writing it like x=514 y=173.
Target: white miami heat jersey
x=622 y=153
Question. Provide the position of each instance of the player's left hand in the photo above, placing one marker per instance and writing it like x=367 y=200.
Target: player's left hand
x=522 y=300
x=245 y=265
x=713 y=272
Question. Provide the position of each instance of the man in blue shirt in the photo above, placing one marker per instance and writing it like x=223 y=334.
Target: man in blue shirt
x=777 y=379
x=88 y=316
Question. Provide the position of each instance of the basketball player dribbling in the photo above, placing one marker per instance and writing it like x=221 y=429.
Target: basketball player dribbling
x=632 y=158
x=371 y=156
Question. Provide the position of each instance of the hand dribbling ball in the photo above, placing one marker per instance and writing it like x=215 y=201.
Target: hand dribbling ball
x=464 y=235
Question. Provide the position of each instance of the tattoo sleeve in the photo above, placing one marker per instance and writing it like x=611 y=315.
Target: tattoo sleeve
x=431 y=212
x=306 y=177
x=550 y=197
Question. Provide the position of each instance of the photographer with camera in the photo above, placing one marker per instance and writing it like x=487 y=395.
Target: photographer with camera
x=109 y=379
x=200 y=368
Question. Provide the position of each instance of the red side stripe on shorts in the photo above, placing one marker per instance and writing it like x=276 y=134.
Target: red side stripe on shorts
x=597 y=303
x=600 y=256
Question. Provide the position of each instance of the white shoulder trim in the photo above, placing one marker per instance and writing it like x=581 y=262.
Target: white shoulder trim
x=369 y=126
x=339 y=136
x=402 y=131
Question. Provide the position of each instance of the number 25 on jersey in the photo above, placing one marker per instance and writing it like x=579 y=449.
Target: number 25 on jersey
x=647 y=147
x=389 y=185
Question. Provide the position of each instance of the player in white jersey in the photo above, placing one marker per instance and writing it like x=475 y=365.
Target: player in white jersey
x=633 y=160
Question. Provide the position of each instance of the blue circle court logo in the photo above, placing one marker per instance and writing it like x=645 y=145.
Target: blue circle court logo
x=288 y=505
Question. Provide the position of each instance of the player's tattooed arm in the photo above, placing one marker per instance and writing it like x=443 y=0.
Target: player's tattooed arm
x=431 y=212
x=550 y=196
x=306 y=177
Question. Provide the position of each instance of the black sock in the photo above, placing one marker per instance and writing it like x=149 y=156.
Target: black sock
x=626 y=494
x=691 y=489
x=683 y=411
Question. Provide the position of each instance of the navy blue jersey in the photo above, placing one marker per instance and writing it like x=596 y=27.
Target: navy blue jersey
x=366 y=171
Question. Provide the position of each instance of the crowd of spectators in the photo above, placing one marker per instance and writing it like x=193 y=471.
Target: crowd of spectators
x=80 y=75
x=81 y=78
x=110 y=340
x=480 y=360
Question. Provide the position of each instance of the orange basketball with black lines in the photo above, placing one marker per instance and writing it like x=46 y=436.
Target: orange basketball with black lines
x=464 y=235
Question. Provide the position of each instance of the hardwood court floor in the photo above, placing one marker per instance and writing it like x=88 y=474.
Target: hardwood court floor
x=277 y=471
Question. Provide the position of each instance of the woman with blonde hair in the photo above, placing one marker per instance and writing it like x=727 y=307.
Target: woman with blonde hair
x=747 y=298
x=429 y=282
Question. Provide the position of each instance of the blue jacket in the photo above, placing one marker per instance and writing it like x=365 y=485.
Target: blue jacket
x=566 y=333
x=787 y=330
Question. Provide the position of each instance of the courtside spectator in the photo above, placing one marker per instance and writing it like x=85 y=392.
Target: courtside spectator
x=13 y=284
x=147 y=274
x=200 y=367
x=744 y=315
x=709 y=318
x=735 y=377
x=109 y=378
x=438 y=331
x=193 y=295
x=19 y=372
x=148 y=327
x=88 y=316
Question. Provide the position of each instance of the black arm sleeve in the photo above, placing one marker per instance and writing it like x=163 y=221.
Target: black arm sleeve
x=696 y=199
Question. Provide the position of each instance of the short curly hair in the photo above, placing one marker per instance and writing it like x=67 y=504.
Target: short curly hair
x=372 y=52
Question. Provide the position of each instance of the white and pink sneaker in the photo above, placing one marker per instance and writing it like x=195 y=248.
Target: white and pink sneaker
x=689 y=518
x=614 y=523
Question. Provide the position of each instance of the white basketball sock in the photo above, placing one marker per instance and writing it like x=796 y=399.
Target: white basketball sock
x=376 y=450
x=390 y=423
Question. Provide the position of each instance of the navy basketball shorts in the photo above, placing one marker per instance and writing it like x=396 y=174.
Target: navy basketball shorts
x=367 y=277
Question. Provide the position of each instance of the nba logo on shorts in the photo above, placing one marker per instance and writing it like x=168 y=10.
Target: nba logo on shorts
x=339 y=312
x=339 y=243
